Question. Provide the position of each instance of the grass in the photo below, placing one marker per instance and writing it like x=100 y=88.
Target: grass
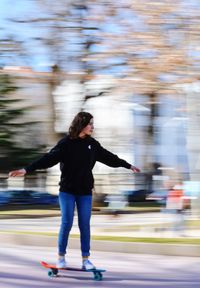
x=31 y=211
x=193 y=223
x=149 y=240
x=26 y=211
x=125 y=239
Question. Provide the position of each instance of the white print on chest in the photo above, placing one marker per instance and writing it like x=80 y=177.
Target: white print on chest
x=89 y=146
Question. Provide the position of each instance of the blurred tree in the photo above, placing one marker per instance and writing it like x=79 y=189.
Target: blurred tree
x=69 y=37
x=12 y=50
x=13 y=154
x=50 y=24
x=149 y=46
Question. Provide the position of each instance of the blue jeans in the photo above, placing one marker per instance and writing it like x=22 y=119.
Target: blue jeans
x=67 y=203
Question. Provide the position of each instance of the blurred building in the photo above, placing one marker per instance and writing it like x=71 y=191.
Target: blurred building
x=123 y=120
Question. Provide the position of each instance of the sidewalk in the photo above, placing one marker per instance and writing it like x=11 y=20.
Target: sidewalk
x=105 y=246
x=28 y=232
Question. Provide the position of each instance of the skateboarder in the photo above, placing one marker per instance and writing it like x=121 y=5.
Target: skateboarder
x=77 y=153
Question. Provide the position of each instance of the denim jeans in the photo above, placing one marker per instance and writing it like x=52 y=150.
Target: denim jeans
x=67 y=203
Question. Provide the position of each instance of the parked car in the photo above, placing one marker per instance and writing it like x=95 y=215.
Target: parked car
x=4 y=198
x=135 y=195
x=29 y=197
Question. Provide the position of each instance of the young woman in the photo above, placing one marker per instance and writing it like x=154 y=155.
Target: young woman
x=77 y=153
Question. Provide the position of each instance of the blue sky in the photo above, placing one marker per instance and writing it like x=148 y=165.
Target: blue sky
x=21 y=9
x=10 y=9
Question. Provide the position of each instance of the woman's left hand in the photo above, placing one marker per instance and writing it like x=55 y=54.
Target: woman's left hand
x=135 y=169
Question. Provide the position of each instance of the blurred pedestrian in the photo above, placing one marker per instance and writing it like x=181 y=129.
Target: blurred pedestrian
x=77 y=153
x=176 y=205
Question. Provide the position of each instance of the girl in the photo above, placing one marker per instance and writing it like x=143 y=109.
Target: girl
x=77 y=153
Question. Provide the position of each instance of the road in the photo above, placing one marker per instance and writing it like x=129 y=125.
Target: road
x=19 y=267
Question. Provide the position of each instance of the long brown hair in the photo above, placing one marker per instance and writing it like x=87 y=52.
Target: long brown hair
x=80 y=121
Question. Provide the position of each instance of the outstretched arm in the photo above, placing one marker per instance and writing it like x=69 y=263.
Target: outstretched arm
x=48 y=160
x=106 y=157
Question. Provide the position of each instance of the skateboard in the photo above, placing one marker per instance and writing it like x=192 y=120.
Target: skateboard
x=53 y=270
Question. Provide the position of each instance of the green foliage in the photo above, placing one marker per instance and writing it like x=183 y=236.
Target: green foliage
x=12 y=155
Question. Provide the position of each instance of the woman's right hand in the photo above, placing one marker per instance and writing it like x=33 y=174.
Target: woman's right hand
x=135 y=169
x=17 y=173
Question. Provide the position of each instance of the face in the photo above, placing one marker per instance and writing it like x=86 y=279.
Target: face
x=87 y=131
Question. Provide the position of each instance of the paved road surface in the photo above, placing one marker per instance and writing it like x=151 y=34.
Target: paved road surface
x=19 y=267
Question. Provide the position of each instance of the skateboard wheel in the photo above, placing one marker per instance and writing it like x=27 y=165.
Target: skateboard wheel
x=55 y=271
x=98 y=276
x=50 y=273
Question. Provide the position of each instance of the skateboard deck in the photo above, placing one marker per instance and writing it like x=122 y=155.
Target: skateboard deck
x=53 y=270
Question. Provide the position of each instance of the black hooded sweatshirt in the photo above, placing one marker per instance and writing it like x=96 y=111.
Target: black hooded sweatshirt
x=77 y=158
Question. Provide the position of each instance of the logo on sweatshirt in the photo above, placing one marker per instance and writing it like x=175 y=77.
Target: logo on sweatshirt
x=89 y=147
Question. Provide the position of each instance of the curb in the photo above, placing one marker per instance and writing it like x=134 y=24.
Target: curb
x=105 y=246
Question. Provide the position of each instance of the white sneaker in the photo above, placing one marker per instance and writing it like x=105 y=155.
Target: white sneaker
x=87 y=265
x=61 y=263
